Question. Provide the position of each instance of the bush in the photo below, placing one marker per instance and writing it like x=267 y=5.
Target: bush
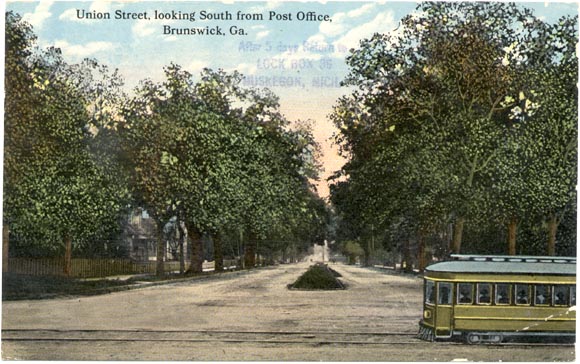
x=352 y=250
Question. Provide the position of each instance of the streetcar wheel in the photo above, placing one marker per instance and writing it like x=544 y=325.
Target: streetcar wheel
x=477 y=338
x=472 y=338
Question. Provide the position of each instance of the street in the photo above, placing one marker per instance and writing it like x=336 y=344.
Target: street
x=249 y=315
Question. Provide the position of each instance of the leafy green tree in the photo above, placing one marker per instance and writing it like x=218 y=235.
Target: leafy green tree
x=217 y=154
x=433 y=124
x=445 y=72
x=551 y=134
x=174 y=145
x=57 y=190
x=536 y=170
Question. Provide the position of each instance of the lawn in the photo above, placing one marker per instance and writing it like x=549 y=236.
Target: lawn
x=20 y=286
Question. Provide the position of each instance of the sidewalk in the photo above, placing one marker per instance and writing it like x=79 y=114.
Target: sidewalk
x=135 y=277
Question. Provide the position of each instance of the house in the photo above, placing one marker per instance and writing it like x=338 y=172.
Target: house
x=139 y=236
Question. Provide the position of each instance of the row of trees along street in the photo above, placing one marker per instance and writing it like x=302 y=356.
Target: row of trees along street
x=460 y=130
x=219 y=158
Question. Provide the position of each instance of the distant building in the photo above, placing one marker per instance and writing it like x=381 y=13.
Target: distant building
x=140 y=236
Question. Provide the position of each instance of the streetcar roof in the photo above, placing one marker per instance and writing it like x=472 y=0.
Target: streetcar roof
x=501 y=264
x=514 y=258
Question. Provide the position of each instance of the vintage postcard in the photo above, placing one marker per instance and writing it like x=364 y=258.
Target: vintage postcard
x=289 y=181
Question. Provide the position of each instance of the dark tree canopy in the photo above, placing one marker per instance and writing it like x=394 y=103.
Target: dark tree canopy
x=461 y=118
x=200 y=152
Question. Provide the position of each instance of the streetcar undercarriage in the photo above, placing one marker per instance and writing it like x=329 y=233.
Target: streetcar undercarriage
x=476 y=337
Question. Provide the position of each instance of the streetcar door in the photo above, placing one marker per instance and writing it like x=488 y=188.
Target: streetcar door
x=444 y=315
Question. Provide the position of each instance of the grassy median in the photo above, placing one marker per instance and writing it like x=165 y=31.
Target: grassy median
x=318 y=277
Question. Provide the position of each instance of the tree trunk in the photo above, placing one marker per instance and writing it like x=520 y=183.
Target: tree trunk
x=250 y=252
x=421 y=253
x=407 y=263
x=552 y=230
x=457 y=235
x=241 y=246
x=218 y=254
x=181 y=250
x=196 y=250
x=512 y=232
x=5 y=247
x=67 y=255
x=160 y=266
x=368 y=254
x=372 y=238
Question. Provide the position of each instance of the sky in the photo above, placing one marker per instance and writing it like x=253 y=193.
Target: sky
x=296 y=49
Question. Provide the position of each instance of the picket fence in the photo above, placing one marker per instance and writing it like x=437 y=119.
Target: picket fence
x=91 y=268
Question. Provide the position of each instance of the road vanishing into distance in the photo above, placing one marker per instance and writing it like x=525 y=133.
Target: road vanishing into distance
x=246 y=316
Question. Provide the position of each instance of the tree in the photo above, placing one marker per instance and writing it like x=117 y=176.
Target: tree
x=56 y=190
x=217 y=155
x=172 y=142
x=551 y=134
x=431 y=128
x=536 y=173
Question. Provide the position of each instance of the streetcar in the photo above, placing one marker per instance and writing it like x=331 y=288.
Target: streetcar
x=488 y=299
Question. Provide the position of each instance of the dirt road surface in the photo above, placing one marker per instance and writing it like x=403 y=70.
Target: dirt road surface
x=246 y=316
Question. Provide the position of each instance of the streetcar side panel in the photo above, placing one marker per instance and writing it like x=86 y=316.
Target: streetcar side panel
x=514 y=319
x=521 y=302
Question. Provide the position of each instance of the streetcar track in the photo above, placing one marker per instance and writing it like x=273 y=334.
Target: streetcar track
x=310 y=342
x=212 y=336
x=315 y=338
x=314 y=342
x=212 y=331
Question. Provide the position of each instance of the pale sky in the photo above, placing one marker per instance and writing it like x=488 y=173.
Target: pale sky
x=302 y=61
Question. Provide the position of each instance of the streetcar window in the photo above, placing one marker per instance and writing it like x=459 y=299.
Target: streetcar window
x=542 y=294
x=484 y=293
x=522 y=294
x=444 y=293
x=465 y=293
x=502 y=294
x=572 y=295
x=429 y=292
x=561 y=295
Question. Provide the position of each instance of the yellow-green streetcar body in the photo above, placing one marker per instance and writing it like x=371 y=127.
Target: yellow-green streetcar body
x=489 y=298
